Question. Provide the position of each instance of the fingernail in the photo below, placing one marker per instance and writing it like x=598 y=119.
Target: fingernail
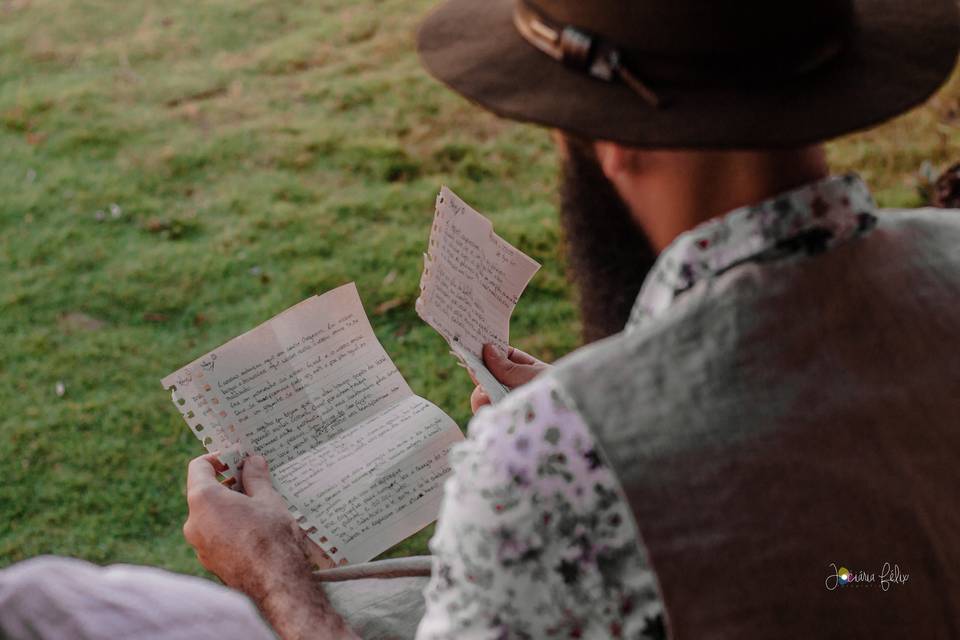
x=257 y=461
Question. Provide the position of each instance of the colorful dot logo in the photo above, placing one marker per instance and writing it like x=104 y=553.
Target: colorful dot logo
x=844 y=575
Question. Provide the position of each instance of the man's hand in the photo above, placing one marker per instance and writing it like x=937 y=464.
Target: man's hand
x=252 y=542
x=513 y=368
x=235 y=534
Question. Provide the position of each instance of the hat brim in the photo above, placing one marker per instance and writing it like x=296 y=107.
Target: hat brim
x=895 y=61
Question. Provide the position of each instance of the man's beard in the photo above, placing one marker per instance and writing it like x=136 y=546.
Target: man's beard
x=608 y=256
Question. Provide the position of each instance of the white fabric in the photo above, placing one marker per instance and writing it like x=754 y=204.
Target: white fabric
x=59 y=598
x=379 y=608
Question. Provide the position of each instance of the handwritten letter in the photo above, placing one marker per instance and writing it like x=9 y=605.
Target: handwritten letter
x=472 y=279
x=314 y=392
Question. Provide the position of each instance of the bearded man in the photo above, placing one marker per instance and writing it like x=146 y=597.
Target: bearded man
x=775 y=416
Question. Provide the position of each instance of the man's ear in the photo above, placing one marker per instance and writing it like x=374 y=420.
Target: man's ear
x=616 y=160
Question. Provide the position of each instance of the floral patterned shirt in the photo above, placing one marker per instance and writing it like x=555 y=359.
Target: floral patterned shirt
x=535 y=537
x=804 y=221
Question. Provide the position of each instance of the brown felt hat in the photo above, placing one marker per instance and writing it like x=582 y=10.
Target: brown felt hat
x=694 y=73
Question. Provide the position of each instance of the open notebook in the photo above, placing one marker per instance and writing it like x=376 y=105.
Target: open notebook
x=357 y=455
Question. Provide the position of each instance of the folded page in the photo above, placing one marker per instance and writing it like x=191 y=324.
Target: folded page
x=294 y=381
x=370 y=487
x=314 y=392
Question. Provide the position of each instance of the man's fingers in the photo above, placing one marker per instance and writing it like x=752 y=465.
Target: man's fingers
x=202 y=471
x=478 y=398
x=507 y=371
x=256 y=477
x=520 y=357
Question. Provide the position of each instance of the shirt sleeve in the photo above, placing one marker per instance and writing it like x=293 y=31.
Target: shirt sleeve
x=535 y=538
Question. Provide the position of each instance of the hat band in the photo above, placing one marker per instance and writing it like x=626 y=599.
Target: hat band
x=600 y=59
x=579 y=50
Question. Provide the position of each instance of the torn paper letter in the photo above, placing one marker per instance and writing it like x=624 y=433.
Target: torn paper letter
x=472 y=279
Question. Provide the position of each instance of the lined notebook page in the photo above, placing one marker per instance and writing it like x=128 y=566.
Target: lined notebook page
x=359 y=458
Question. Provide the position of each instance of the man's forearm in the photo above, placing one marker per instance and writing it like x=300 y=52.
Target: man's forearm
x=254 y=545
x=297 y=608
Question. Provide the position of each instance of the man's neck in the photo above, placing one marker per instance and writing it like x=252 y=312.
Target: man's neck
x=684 y=189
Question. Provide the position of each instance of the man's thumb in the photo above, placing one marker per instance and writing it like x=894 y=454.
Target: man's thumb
x=505 y=370
x=256 y=476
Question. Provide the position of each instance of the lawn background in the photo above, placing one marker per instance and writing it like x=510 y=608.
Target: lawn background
x=174 y=173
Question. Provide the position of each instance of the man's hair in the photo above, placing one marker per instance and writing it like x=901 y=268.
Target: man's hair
x=608 y=256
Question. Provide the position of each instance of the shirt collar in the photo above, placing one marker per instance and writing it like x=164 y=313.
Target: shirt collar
x=807 y=220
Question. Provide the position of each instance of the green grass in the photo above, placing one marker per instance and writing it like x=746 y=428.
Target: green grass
x=253 y=153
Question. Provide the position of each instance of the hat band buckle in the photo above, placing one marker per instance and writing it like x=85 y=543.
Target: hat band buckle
x=579 y=50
